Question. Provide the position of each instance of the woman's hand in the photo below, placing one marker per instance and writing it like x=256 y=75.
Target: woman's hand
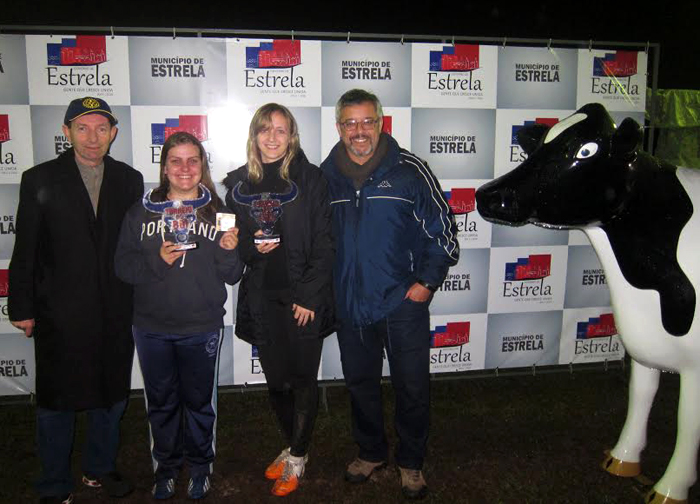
x=169 y=252
x=302 y=315
x=265 y=248
x=229 y=240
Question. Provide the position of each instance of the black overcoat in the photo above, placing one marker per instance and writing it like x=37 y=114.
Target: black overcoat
x=310 y=248
x=62 y=275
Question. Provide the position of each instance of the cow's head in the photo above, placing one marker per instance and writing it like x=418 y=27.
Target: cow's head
x=578 y=173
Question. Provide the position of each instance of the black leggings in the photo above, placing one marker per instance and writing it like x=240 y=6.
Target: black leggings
x=291 y=365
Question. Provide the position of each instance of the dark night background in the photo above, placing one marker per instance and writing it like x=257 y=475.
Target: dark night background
x=672 y=24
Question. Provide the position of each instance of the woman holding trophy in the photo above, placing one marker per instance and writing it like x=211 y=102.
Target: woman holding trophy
x=285 y=301
x=178 y=259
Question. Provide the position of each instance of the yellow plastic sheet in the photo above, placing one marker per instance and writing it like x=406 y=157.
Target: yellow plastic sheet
x=676 y=114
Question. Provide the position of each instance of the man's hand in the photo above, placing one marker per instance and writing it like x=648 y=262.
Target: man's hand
x=24 y=325
x=418 y=294
x=229 y=240
x=169 y=253
x=302 y=315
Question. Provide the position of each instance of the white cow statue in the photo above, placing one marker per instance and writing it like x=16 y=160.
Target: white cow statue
x=585 y=173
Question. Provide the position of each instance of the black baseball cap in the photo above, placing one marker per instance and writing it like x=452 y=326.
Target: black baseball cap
x=88 y=105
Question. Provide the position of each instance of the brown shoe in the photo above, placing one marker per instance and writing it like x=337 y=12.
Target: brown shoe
x=413 y=484
x=360 y=470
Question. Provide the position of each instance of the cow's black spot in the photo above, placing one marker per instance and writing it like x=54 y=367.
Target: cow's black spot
x=644 y=238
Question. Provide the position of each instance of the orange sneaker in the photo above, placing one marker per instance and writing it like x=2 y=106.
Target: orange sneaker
x=275 y=470
x=289 y=481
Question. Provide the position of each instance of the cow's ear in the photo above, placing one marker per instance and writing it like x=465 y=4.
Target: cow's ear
x=529 y=137
x=627 y=138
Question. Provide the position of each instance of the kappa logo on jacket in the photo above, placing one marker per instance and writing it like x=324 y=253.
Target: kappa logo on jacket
x=384 y=184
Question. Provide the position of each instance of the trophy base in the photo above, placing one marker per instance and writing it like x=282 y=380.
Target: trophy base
x=258 y=240
x=187 y=246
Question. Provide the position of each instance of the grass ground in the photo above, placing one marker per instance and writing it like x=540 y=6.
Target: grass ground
x=511 y=439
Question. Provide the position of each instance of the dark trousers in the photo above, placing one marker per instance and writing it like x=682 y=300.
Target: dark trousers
x=180 y=375
x=290 y=364
x=54 y=434
x=405 y=334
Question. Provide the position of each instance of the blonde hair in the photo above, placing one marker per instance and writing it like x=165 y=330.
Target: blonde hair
x=263 y=119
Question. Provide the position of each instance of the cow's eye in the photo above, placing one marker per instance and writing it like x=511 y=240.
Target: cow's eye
x=587 y=150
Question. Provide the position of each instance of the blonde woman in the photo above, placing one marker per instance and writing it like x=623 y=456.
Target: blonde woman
x=285 y=301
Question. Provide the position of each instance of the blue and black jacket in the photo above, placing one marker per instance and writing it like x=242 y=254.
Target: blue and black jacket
x=396 y=230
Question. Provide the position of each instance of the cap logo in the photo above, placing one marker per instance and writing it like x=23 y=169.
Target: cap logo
x=90 y=103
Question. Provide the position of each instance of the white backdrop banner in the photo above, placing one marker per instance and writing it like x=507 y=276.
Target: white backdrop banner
x=518 y=296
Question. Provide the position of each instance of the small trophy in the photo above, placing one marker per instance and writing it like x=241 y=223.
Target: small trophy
x=266 y=209
x=178 y=216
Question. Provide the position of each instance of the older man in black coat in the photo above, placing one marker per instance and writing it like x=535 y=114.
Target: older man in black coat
x=64 y=293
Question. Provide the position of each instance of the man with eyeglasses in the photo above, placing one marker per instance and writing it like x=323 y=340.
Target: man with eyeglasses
x=396 y=239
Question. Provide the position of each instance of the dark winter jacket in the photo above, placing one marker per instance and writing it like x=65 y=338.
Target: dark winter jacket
x=62 y=275
x=186 y=297
x=309 y=248
x=396 y=230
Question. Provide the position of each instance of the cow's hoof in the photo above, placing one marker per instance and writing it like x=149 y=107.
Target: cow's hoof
x=620 y=467
x=654 y=497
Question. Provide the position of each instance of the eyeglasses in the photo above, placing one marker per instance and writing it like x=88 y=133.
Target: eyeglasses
x=352 y=124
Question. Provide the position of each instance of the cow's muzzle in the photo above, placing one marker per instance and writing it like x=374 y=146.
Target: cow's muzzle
x=500 y=205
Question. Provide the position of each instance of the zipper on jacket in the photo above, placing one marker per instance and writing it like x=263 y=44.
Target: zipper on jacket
x=358 y=276
x=358 y=191
x=358 y=197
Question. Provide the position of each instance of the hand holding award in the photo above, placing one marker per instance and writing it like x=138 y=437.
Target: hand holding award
x=170 y=253
x=264 y=246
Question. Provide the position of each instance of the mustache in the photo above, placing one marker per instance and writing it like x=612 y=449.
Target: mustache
x=360 y=136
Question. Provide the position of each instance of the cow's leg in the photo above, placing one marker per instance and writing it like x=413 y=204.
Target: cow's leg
x=624 y=458
x=681 y=471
